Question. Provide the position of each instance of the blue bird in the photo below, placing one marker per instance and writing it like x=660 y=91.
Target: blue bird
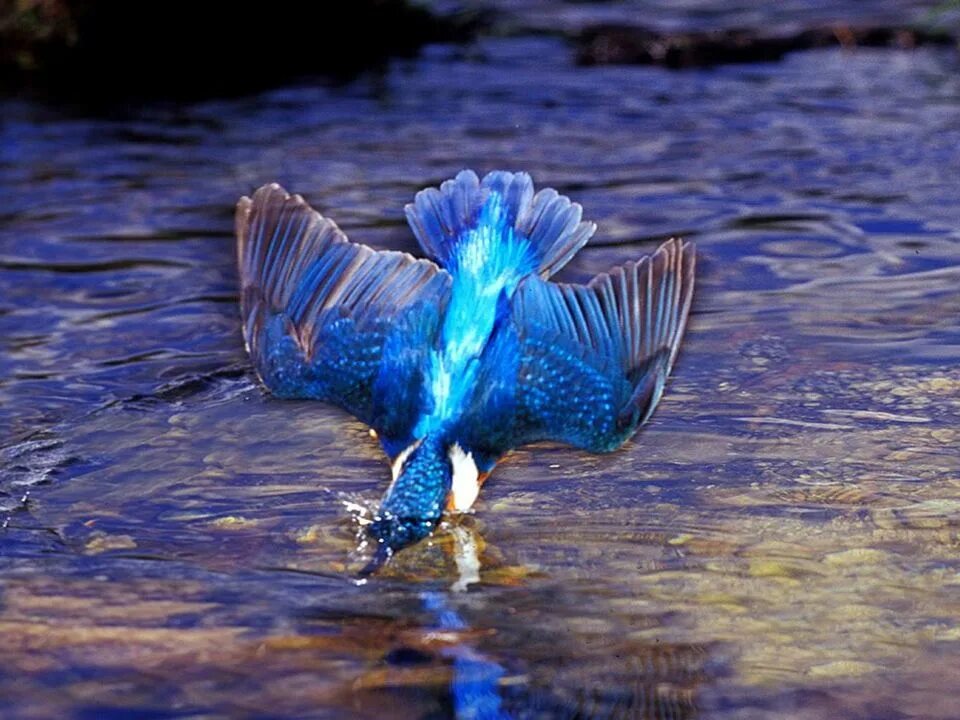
x=455 y=360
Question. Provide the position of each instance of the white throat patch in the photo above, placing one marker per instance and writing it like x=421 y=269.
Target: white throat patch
x=401 y=459
x=465 y=486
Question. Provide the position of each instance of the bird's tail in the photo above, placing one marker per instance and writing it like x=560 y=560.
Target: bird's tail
x=502 y=206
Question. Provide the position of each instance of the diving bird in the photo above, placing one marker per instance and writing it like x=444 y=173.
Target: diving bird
x=456 y=359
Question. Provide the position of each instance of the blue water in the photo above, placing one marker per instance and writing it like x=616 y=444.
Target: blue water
x=779 y=541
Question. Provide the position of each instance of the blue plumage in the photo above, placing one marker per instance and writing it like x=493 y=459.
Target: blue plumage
x=455 y=361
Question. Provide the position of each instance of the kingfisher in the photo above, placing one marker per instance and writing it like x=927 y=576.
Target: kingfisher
x=456 y=359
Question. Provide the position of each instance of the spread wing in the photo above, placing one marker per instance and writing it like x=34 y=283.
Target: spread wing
x=328 y=319
x=594 y=358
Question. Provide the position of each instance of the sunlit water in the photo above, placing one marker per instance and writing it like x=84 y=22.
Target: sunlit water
x=782 y=540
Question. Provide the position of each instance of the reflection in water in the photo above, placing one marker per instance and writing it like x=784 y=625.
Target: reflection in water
x=466 y=557
x=474 y=679
x=565 y=676
x=473 y=684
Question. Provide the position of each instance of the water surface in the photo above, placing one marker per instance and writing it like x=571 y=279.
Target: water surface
x=780 y=541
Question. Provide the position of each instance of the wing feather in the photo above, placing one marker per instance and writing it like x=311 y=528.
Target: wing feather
x=594 y=358
x=318 y=310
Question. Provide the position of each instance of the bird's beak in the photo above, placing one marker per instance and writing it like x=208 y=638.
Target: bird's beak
x=380 y=558
x=392 y=534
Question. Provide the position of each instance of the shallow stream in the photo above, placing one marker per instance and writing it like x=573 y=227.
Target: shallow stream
x=782 y=540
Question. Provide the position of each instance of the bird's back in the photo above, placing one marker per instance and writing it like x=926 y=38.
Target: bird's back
x=489 y=235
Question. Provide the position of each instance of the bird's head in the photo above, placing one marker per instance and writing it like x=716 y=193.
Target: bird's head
x=415 y=500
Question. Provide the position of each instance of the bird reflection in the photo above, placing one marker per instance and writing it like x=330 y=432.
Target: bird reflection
x=476 y=677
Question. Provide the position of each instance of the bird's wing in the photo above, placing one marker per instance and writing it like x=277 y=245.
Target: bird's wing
x=328 y=319
x=594 y=358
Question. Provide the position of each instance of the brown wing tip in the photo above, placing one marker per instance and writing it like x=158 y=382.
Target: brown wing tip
x=687 y=260
x=241 y=221
x=244 y=205
x=683 y=255
x=270 y=189
x=264 y=196
x=273 y=193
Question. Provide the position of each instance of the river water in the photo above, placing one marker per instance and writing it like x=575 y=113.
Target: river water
x=782 y=540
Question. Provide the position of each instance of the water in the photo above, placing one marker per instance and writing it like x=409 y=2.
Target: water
x=780 y=541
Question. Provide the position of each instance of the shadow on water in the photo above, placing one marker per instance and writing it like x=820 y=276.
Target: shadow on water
x=780 y=541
